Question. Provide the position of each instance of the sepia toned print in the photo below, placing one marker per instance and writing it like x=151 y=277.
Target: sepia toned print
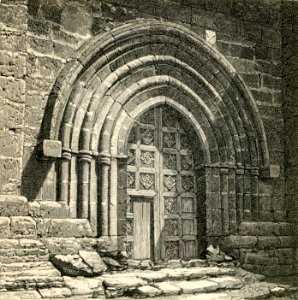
x=148 y=149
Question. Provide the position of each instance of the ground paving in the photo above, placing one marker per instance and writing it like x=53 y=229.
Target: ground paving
x=213 y=282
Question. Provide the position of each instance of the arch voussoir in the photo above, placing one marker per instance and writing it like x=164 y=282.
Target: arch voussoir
x=121 y=74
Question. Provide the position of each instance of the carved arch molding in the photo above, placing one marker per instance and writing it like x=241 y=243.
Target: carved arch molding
x=112 y=81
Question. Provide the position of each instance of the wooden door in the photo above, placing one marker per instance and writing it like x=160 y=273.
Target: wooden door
x=161 y=167
x=142 y=228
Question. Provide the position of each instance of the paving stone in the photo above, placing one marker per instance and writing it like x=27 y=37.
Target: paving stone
x=176 y=274
x=77 y=285
x=199 y=272
x=196 y=286
x=253 y=291
x=206 y=296
x=98 y=292
x=147 y=291
x=18 y=295
x=155 y=276
x=228 y=282
x=196 y=263
x=94 y=261
x=55 y=292
x=123 y=282
x=167 y=288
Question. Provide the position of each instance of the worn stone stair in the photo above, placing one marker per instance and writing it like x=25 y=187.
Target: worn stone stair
x=24 y=256
x=169 y=282
x=24 y=265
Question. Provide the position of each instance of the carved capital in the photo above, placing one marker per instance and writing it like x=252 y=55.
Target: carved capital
x=85 y=155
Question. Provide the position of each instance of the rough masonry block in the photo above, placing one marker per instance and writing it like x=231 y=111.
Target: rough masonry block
x=11 y=205
x=23 y=227
x=51 y=148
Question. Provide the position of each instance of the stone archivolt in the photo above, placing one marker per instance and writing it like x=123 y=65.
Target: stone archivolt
x=123 y=73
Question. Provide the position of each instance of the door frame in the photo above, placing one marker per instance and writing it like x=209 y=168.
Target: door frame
x=156 y=195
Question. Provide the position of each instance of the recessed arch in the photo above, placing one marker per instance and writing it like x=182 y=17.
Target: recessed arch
x=94 y=58
x=116 y=77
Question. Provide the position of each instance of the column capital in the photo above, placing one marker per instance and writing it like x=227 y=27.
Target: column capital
x=85 y=155
x=66 y=153
x=104 y=158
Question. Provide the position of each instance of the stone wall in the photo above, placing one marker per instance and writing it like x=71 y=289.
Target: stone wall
x=248 y=35
x=290 y=101
x=13 y=57
x=40 y=37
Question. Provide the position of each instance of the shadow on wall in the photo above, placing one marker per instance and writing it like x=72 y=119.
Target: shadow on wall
x=35 y=176
x=38 y=176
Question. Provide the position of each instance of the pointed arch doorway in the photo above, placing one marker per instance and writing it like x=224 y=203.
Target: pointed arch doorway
x=165 y=218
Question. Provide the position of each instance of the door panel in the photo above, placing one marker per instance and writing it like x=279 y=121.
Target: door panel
x=142 y=228
x=161 y=164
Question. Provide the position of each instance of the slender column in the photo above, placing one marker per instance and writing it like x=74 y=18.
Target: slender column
x=113 y=198
x=254 y=185
x=93 y=214
x=64 y=175
x=73 y=191
x=105 y=163
x=247 y=196
x=224 y=172
x=85 y=160
x=239 y=194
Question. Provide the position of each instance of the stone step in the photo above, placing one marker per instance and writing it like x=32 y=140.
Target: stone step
x=22 y=250
x=77 y=228
x=29 y=227
x=179 y=273
x=30 y=276
x=13 y=205
x=170 y=282
x=24 y=266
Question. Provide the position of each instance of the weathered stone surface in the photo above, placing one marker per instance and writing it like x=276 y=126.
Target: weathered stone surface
x=178 y=273
x=11 y=205
x=52 y=148
x=153 y=276
x=111 y=263
x=254 y=291
x=123 y=282
x=4 y=227
x=200 y=272
x=76 y=19
x=58 y=245
x=278 y=291
x=63 y=227
x=147 y=291
x=48 y=209
x=196 y=286
x=23 y=227
x=94 y=261
x=78 y=286
x=71 y=265
x=18 y=295
x=168 y=288
x=227 y=282
x=55 y=292
x=265 y=228
x=10 y=171
x=12 y=89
